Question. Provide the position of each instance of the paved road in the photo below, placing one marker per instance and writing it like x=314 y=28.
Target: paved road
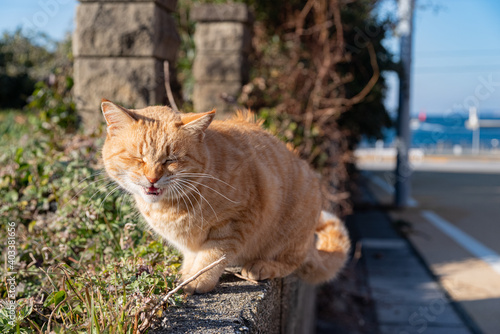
x=456 y=228
x=469 y=201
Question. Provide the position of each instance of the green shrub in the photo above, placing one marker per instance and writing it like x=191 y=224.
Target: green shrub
x=55 y=109
x=82 y=260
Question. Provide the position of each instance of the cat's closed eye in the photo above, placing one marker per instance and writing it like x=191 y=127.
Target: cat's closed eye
x=139 y=160
x=168 y=161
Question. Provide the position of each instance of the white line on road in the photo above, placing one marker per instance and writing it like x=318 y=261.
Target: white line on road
x=469 y=243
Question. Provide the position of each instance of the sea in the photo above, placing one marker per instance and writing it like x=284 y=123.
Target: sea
x=449 y=133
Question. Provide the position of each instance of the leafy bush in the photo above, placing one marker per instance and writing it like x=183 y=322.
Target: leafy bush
x=83 y=265
x=54 y=108
x=18 y=56
x=26 y=60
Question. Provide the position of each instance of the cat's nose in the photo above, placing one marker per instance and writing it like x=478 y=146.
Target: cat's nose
x=153 y=180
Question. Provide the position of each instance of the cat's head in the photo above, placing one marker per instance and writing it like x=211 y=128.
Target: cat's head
x=146 y=149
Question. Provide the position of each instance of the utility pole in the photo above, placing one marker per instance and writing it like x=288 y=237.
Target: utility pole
x=403 y=140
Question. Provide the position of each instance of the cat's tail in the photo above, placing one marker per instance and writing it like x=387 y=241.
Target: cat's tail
x=330 y=253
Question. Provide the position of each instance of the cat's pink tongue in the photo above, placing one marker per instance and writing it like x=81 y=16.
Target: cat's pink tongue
x=153 y=191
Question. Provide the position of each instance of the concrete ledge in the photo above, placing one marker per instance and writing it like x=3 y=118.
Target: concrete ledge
x=237 y=306
x=236 y=12
x=169 y=5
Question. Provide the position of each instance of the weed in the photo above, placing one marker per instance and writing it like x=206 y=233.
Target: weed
x=83 y=265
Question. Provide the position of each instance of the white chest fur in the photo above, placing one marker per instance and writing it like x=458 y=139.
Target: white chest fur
x=178 y=230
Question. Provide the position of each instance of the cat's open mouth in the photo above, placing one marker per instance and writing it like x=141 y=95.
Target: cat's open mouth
x=153 y=191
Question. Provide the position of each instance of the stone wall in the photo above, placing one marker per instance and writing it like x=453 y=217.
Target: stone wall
x=222 y=41
x=120 y=47
x=285 y=306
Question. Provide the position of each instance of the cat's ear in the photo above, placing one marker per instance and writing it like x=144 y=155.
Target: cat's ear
x=116 y=117
x=197 y=123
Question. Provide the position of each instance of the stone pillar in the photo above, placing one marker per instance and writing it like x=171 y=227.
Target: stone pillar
x=119 y=48
x=223 y=41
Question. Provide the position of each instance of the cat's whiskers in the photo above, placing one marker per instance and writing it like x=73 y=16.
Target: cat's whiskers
x=200 y=204
x=121 y=204
x=186 y=183
x=192 y=205
x=137 y=215
x=80 y=191
x=99 y=190
x=136 y=212
x=92 y=175
x=177 y=187
x=204 y=185
x=201 y=175
x=193 y=188
x=112 y=191
x=174 y=197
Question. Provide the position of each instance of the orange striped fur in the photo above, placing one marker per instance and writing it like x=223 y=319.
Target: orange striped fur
x=214 y=188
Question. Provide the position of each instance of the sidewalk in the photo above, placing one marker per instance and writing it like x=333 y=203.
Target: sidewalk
x=407 y=298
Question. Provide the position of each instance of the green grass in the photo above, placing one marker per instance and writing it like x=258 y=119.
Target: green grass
x=83 y=262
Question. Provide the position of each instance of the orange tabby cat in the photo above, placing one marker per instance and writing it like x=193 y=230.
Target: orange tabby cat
x=223 y=188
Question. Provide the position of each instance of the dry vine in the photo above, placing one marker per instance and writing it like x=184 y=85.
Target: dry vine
x=312 y=87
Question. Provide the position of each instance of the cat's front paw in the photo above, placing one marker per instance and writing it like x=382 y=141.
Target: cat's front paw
x=185 y=272
x=258 y=270
x=200 y=285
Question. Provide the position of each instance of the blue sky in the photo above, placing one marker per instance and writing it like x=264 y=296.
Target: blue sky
x=54 y=17
x=456 y=48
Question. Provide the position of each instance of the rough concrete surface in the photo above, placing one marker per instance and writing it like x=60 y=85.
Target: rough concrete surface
x=298 y=311
x=220 y=67
x=235 y=306
x=169 y=5
x=210 y=95
x=222 y=36
x=125 y=29
x=223 y=41
x=238 y=306
x=236 y=12
x=132 y=82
